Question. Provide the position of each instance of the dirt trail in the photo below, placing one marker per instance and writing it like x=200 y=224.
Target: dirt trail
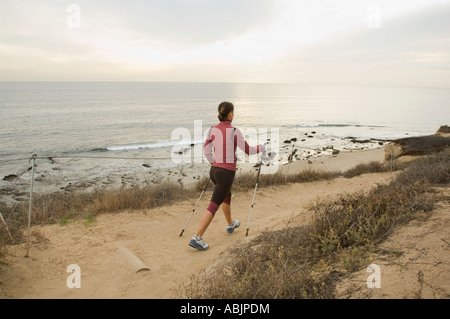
x=153 y=236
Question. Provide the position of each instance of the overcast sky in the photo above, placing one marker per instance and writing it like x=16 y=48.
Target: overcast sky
x=385 y=42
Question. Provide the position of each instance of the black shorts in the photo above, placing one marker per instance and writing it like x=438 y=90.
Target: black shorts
x=223 y=180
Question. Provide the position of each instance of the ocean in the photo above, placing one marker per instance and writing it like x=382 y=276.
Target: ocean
x=137 y=119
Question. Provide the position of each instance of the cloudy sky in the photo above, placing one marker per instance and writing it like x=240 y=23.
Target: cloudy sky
x=347 y=42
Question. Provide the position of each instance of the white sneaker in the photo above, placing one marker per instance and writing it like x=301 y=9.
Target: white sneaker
x=198 y=243
x=232 y=227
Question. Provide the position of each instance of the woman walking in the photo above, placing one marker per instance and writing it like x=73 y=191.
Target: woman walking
x=220 y=150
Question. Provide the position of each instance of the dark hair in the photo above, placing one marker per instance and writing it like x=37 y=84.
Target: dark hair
x=224 y=109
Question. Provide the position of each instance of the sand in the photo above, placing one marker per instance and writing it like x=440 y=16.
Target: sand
x=152 y=236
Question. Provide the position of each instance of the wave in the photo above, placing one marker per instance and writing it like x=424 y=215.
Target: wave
x=155 y=145
x=349 y=125
x=331 y=125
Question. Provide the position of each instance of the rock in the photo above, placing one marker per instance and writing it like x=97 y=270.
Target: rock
x=309 y=162
x=10 y=177
x=303 y=140
x=294 y=139
x=313 y=132
x=415 y=146
x=287 y=141
x=380 y=143
x=443 y=130
x=181 y=151
x=335 y=152
x=360 y=141
x=310 y=136
x=146 y=165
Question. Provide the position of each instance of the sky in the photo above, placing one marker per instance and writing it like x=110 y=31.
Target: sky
x=317 y=42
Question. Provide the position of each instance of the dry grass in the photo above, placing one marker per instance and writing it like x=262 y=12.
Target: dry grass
x=372 y=167
x=307 y=261
x=247 y=180
x=60 y=207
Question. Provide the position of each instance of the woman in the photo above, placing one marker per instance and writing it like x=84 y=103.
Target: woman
x=223 y=139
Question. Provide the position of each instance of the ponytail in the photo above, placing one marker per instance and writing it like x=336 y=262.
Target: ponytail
x=224 y=109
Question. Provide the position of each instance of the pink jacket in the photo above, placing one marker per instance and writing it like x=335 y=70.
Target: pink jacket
x=225 y=139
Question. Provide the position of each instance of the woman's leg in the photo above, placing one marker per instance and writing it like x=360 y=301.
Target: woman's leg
x=204 y=223
x=223 y=181
x=227 y=212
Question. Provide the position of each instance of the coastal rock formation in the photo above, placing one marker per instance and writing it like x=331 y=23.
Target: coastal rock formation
x=443 y=130
x=10 y=177
x=419 y=145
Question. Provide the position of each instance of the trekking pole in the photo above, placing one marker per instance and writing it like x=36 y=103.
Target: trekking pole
x=254 y=195
x=193 y=210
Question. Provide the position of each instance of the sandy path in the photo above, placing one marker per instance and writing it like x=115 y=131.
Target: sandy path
x=153 y=236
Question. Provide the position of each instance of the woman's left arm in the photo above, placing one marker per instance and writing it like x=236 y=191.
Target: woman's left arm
x=244 y=146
